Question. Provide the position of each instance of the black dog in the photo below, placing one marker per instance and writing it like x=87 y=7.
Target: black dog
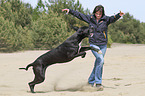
x=65 y=52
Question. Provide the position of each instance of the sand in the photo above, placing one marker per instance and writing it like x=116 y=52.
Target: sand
x=123 y=75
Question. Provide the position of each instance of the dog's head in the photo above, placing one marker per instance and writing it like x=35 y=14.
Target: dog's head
x=84 y=31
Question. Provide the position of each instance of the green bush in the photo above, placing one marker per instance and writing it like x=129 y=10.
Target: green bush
x=12 y=38
x=50 y=30
x=128 y=30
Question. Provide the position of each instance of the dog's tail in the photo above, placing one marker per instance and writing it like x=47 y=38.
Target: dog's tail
x=27 y=67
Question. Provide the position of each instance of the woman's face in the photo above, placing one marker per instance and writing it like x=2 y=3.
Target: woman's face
x=98 y=14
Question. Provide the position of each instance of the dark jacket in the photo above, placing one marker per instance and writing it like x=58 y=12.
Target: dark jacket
x=100 y=36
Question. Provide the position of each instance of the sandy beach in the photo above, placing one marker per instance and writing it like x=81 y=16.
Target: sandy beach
x=123 y=75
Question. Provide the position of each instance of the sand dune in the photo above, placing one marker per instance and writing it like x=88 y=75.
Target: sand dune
x=124 y=74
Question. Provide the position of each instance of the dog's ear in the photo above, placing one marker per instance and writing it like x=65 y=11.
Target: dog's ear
x=75 y=28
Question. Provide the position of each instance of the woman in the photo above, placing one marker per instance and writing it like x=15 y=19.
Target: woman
x=99 y=40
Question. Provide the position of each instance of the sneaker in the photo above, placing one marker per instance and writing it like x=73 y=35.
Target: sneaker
x=91 y=84
x=99 y=87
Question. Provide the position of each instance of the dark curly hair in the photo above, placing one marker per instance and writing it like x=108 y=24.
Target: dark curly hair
x=99 y=8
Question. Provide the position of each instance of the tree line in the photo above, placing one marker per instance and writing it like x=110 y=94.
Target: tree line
x=23 y=27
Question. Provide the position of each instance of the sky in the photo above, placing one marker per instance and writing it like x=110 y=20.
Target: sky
x=134 y=7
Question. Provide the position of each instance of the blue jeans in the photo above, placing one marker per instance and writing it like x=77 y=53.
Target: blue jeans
x=96 y=75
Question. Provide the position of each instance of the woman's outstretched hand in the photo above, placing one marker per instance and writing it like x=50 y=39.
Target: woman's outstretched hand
x=67 y=10
x=121 y=13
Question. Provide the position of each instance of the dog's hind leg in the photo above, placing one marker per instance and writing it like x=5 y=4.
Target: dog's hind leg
x=39 y=72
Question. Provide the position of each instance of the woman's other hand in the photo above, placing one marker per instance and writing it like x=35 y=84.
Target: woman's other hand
x=67 y=10
x=121 y=13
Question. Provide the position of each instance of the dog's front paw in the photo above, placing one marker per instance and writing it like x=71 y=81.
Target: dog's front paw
x=83 y=56
x=94 y=49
